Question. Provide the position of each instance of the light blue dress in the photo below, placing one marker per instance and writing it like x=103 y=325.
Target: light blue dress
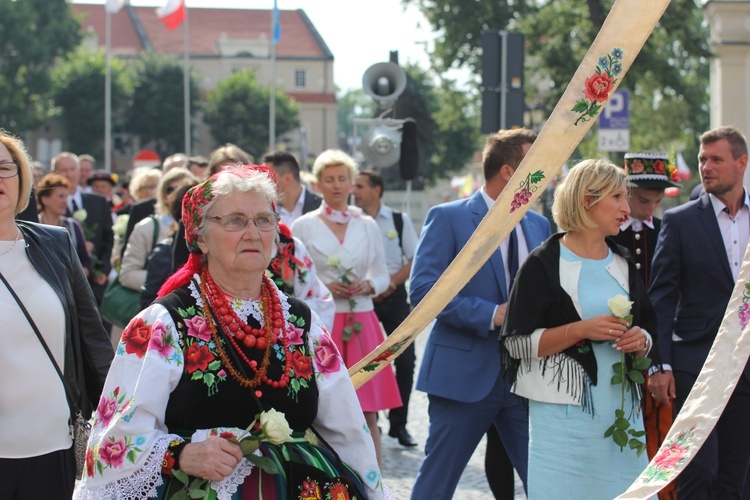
x=569 y=458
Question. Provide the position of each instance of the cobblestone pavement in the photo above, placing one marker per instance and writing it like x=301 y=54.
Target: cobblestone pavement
x=400 y=464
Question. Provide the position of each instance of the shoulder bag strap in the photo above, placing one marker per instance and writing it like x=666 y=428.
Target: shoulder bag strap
x=157 y=226
x=68 y=393
x=398 y=221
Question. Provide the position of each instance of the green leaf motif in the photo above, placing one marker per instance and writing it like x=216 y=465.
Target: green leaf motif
x=214 y=365
x=616 y=379
x=209 y=379
x=609 y=431
x=641 y=363
x=264 y=463
x=581 y=106
x=536 y=177
x=197 y=375
x=181 y=476
x=594 y=110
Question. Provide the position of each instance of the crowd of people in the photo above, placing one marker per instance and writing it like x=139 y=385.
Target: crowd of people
x=253 y=289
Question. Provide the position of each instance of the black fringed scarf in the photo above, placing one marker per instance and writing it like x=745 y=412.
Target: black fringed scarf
x=538 y=301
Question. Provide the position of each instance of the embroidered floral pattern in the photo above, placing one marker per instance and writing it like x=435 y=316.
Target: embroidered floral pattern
x=110 y=406
x=744 y=310
x=671 y=456
x=334 y=490
x=201 y=361
x=382 y=358
x=112 y=453
x=598 y=86
x=327 y=358
x=525 y=190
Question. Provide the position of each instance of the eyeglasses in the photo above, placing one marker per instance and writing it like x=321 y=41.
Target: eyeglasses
x=238 y=222
x=8 y=169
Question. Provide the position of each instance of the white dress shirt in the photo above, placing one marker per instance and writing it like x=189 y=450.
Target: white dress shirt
x=735 y=231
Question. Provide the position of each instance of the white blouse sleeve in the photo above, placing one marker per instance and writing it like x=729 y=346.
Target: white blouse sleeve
x=129 y=437
x=377 y=270
x=309 y=287
x=340 y=421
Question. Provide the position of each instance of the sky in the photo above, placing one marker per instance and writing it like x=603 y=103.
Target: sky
x=359 y=33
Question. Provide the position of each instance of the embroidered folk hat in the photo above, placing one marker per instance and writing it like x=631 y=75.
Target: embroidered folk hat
x=650 y=170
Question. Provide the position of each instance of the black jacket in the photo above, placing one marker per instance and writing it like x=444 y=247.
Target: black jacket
x=88 y=352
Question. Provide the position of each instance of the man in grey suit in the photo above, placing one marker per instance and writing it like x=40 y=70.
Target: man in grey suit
x=698 y=257
x=294 y=199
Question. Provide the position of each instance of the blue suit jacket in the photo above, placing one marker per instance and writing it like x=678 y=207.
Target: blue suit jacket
x=691 y=283
x=462 y=357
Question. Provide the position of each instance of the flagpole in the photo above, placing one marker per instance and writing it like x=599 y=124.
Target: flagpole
x=272 y=97
x=108 y=94
x=186 y=81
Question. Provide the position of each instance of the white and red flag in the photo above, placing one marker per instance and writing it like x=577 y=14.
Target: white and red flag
x=172 y=14
x=114 y=6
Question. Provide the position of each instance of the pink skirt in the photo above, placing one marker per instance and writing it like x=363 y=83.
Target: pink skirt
x=381 y=391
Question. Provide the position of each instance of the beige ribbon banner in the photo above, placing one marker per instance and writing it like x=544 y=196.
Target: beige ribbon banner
x=622 y=36
x=719 y=376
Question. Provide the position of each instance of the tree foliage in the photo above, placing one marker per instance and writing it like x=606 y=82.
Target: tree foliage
x=352 y=104
x=79 y=93
x=237 y=112
x=669 y=77
x=448 y=123
x=156 y=113
x=33 y=35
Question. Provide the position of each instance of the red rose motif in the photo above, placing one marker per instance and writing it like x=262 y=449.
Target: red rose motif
x=89 y=462
x=597 y=87
x=658 y=167
x=383 y=356
x=339 y=492
x=136 y=337
x=301 y=364
x=197 y=358
x=167 y=463
x=113 y=452
x=637 y=166
x=310 y=489
x=670 y=456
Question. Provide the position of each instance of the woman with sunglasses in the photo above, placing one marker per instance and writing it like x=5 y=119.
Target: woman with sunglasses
x=224 y=357
x=141 y=241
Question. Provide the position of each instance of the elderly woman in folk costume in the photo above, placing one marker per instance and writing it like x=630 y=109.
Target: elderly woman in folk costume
x=221 y=358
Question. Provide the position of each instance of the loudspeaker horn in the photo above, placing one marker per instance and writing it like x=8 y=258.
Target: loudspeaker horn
x=384 y=82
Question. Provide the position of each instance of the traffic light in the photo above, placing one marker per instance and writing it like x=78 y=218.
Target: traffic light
x=502 y=80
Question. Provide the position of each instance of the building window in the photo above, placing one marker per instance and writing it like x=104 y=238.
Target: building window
x=300 y=78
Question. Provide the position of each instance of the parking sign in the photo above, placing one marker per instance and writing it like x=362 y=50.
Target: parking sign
x=614 y=123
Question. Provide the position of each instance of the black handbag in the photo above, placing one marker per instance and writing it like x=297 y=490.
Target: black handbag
x=79 y=427
x=120 y=304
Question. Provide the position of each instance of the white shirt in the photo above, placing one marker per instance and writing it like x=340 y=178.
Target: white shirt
x=735 y=231
x=33 y=408
x=79 y=201
x=523 y=249
x=361 y=253
x=288 y=217
x=396 y=255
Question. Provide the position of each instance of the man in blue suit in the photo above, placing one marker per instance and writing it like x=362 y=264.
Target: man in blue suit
x=698 y=257
x=461 y=369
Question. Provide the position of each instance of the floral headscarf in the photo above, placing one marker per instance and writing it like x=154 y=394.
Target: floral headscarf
x=193 y=207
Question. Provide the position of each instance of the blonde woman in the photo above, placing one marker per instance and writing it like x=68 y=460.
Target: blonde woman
x=347 y=248
x=561 y=339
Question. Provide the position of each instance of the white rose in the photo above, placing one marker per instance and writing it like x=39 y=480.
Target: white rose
x=619 y=305
x=121 y=224
x=275 y=427
x=334 y=261
x=391 y=234
x=80 y=215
